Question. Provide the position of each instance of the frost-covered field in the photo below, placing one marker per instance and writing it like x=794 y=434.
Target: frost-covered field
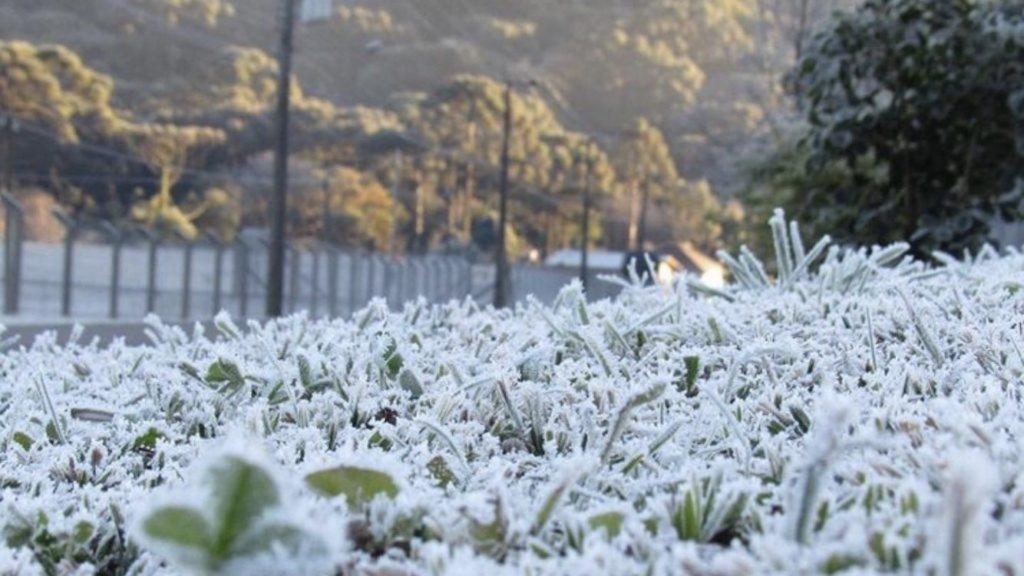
x=859 y=415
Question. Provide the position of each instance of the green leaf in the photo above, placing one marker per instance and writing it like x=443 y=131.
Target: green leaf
x=83 y=532
x=552 y=502
x=802 y=420
x=488 y=536
x=440 y=470
x=227 y=374
x=692 y=368
x=305 y=373
x=358 y=485
x=393 y=360
x=53 y=433
x=409 y=382
x=690 y=517
x=840 y=563
x=17 y=531
x=178 y=525
x=242 y=492
x=610 y=522
x=147 y=441
x=23 y=440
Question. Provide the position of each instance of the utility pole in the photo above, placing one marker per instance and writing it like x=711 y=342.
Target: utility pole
x=470 y=183
x=396 y=191
x=585 y=225
x=645 y=193
x=501 y=277
x=8 y=131
x=327 y=218
x=279 y=199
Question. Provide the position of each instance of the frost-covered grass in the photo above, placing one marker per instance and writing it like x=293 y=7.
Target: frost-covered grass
x=861 y=413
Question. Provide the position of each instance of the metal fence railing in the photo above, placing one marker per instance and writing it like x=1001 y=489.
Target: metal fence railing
x=103 y=271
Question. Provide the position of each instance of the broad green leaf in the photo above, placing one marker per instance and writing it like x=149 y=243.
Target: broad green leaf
x=178 y=525
x=358 y=485
x=17 y=531
x=263 y=538
x=242 y=492
x=226 y=373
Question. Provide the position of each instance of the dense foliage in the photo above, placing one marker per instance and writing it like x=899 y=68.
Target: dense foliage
x=922 y=102
x=857 y=414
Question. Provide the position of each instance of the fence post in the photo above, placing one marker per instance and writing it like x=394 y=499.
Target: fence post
x=14 y=238
x=400 y=280
x=389 y=279
x=218 y=270
x=294 y=271
x=314 y=280
x=353 y=261
x=467 y=277
x=371 y=276
x=242 y=276
x=152 y=243
x=439 y=271
x=116 y=238
x=419 y=273
x=332 y=281
x=452 y=273
x=186 y=281
x=70 y=230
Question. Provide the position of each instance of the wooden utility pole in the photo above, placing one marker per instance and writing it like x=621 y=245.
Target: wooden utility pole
x=645 y=194
x=585 y=224
x=469 y=185
x=502 y=282
x=8 y=132
x=279 y=199
x=396 y=192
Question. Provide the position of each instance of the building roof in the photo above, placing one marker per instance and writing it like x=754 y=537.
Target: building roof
x=609 y=260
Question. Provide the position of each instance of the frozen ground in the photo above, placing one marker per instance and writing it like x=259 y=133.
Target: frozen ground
x=860 y=415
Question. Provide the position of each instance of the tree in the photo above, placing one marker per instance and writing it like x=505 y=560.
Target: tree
x=932 y=93
x=167 y=150
x=359 y=211
x=206 y=12
x=648 y=171
x=50 y=87
x=461 y=124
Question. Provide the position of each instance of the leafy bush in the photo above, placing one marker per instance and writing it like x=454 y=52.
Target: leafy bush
x=920 y=104
x=858 y=413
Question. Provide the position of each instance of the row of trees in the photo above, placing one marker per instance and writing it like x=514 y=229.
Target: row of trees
x=418 y=173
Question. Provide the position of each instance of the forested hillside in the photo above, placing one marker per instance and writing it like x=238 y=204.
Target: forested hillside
x=673 y=91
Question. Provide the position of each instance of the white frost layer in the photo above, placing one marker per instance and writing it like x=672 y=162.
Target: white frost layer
x=861 y=418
